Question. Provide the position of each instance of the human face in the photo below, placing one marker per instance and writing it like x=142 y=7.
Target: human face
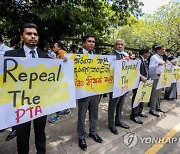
x=120 y=46
x=160 y=52
x=56 y=48
x=89 y=44
x=30 y=37
x=146 y=55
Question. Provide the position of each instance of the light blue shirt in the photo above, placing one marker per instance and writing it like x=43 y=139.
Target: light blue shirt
x=28 y=53
x=3 y=49
x=86 y=52
x=122 y=53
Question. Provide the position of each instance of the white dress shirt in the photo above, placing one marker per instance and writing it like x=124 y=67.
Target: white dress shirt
x=3 y=49
x=28 y=52
x=154 y=64
x=86 y=52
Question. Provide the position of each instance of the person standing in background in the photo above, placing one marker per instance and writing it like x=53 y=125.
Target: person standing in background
x=59 y=50
x=3 y=47
x=155 y=69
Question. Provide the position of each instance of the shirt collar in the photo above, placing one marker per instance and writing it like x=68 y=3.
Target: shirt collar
x=27 y=50
x=142 y=58
x=158 y=56
x=85 y=51
x=122 y=53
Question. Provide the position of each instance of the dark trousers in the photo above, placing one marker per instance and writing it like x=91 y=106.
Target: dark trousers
x=89 y=103
x=138 y=109
x=155 y=97
x=23 y=134
x=115 y=104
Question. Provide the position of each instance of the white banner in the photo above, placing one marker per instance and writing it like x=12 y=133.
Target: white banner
x=126 y=76
x=31 y=88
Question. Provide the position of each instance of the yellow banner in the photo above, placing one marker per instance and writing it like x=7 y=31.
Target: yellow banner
x=31 y=88
x=165 y=77
x=176 y=73
x=94 y=74
x=143 y=92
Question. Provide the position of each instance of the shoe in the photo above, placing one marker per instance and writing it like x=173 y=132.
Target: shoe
x=82 y=144
x=123 y=125
x=96 y=138
x=54 y=118
x=154 y=113
x=160 y=110
x=113 y=130
x=64 y=112
x=142 y=115
x=11 y=135
x=136 y=120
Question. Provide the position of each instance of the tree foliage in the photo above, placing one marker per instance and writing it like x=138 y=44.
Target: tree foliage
x=162 y=27
x=59 y=18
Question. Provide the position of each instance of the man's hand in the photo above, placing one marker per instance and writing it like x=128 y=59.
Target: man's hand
x=64 y=59
x=126 y=58
x=161 y=63
x=144 y=79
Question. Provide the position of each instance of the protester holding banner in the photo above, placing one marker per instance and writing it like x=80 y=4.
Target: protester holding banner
x=117 y=103
x=170 y=92
x=30 y=38
x=3 y=47
x=90 y=103
x=144 y=53
x=155 y=69
x=60 y=52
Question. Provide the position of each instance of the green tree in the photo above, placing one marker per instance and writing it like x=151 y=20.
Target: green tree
x=161 y=27
x=59 y=18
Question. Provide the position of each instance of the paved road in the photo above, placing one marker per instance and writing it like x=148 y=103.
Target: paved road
x=150 y=135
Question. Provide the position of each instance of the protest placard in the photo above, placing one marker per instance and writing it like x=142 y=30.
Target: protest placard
x=143 y=92
x=94 y=74
x=31 y=88
x=165 y=78
x=126 y=76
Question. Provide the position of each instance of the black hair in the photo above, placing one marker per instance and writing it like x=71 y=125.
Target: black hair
x=28 y=25
x=154 y=45
x=158 y=47
x=144 y=50
x=1 y=40
x=14 y=42
x=60 y=45
x=85 y=37
x=168 y=50
x=73 y=46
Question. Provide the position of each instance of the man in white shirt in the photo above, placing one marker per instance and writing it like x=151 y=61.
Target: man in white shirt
x=3 y=47
x=155 y=68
